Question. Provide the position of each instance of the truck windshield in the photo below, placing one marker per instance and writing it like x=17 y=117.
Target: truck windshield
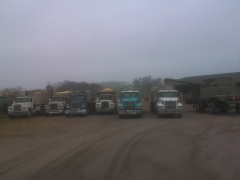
x=168 y=94
x=78 y=97
x=58 y=99
x=129 y=94
x=22 y=100
x=105 y=97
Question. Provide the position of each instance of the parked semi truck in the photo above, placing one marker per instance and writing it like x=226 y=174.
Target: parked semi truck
x=80 y=103
x=215 y=94
x=129 y=104
x=164 y=101
x=106 y=101
x=4 y=101
x=57 y=103
x=32 y=103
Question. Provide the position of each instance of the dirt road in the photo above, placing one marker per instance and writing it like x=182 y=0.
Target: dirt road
x=197 y=146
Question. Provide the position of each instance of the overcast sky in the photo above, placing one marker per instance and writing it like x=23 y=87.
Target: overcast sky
x=94 y=41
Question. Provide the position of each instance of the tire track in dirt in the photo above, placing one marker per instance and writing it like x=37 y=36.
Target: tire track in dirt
x=121 y=161
x=58 y=166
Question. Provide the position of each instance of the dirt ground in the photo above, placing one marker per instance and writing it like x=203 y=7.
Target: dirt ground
x=196 y=146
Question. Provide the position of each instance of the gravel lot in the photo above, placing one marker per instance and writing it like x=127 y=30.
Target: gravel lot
x=196 y=146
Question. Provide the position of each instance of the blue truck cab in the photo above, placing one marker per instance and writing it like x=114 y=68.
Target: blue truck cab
x=129 y=104
x=80 y=103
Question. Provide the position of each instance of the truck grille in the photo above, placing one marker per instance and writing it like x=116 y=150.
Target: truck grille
x=53 y=106
x=105 y=104
x=17 y=107
x=129 y=104
x=170 y=104
x=75 y=106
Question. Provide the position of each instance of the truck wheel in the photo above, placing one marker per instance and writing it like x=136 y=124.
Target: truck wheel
x=212 y=108
x=200 y=106
x=120 y=116
x=223 y=110
x=140 y=116
x=155 y=111
x=159 y=116
x=238 y=108
x=29 y=114
x=67 y=115
x=12 y=117
x=179 y=116
x=46 y=115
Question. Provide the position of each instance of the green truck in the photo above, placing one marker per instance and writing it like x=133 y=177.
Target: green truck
x=129 y=104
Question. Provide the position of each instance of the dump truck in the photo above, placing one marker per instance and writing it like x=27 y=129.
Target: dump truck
x=164 y=101
x=32 y=103
x=130 y=104
x=106 y=101
x=57 y=103
x=80 y=103
x=4 y=102
x=219 y=93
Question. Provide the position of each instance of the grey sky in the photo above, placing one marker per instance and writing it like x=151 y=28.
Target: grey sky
x=56 y=40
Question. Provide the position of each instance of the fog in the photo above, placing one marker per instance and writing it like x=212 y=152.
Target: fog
x=94 y=41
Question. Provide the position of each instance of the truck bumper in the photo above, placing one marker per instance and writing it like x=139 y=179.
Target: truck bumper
x=129 y=112
x=58 y=111
x=105 y=109
x=21 y=113
x=75 y=111
x=169 y=111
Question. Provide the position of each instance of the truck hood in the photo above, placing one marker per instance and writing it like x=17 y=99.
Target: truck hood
x=77 y=101
x=168 y=99
x=132 y=99
x=57 y=102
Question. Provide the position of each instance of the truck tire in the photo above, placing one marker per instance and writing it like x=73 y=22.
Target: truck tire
x=29 y=114
x=140 y=116
x=155 y=111
x=120 y=116
x=67 y=115
x=179 y=116
x=200 y=106
x=46 y=114
x=223 y=109
x=12 y=117
x=238 y=108
x=212 y=108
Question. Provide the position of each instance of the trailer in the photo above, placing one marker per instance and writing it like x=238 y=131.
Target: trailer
x=220 y=93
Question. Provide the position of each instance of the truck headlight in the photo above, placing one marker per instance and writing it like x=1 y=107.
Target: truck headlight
x=120 y=106
x=179 y=107
x=160 y=106
x=98 y=105
x=112 y=105
x=139 y=106
x=83 y=105
x=68 y=106
x=161 y=102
